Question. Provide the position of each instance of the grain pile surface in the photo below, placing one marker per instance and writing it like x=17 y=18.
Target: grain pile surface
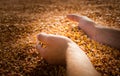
x=22 y=20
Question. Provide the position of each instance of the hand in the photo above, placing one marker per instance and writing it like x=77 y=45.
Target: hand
x=56 y=47
x=85 y=23
x=102 y=34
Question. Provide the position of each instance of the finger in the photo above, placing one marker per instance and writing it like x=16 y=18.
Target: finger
x=73 y=17
x=43 y=37
x=40 y=50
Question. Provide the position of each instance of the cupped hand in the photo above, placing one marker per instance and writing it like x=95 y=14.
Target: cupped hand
x=56 y=47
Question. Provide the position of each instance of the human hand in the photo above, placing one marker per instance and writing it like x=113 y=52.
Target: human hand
x=102 y=34
x=56 y=47
x=85 y=23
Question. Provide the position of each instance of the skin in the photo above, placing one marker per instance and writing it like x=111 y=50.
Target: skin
x=102 y=34
x=62 y=50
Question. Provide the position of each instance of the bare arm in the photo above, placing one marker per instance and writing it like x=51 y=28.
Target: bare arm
x=108 y=35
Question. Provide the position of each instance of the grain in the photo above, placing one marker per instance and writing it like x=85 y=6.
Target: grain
x=21 y=21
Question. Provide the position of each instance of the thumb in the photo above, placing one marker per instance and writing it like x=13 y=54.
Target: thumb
x=43 y=37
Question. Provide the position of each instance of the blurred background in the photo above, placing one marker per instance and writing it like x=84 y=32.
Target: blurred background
x=22 y=20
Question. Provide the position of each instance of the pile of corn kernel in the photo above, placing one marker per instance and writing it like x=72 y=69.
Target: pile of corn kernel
x=22 y=20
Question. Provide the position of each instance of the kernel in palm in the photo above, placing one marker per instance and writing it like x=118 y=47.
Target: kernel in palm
x=43 y=45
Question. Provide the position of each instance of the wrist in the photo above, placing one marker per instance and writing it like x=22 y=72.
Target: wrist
x=78 y=63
